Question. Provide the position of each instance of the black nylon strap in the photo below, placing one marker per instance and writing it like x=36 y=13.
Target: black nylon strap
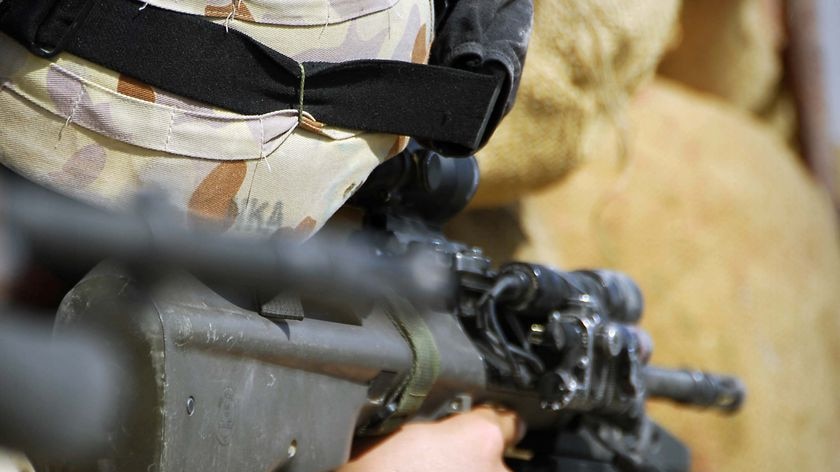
x=189 y=56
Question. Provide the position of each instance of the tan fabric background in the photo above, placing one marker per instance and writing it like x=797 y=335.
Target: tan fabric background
x=730 y=48
x=708 y=207
x=585 y=59
x=733 y=49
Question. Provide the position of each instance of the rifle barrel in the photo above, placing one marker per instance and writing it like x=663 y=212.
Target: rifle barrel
x=693 y=387
x=153 y=238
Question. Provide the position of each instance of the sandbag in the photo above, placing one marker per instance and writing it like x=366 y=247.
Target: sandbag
x=730 y=48
x=738 y=254
x=584 y=60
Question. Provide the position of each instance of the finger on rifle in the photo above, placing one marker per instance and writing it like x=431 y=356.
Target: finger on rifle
x=511 y=426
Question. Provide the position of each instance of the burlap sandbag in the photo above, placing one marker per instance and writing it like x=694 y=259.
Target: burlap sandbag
x=730 y=48
x=584 y=60
x=737 y=252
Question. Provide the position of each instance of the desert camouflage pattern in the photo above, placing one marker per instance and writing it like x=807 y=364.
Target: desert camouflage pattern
x=103 y=137
x=14 y=462
x=279 y=12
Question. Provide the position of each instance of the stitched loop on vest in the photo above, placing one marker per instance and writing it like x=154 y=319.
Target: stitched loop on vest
x=302 y=83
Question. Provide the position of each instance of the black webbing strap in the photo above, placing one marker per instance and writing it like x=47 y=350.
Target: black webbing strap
x=189 y=56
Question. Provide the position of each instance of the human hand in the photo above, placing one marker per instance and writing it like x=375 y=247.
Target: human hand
x=468 y=442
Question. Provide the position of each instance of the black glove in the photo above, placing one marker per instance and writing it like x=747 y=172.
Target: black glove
x=486 y=36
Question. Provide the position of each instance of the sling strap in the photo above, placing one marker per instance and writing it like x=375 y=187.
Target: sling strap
x=425 y=366
x=189 y=56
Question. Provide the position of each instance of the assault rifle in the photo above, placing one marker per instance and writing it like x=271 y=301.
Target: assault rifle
x=269 y=355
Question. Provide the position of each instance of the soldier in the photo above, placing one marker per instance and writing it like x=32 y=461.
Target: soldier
x=103 y=100
x=250 y=115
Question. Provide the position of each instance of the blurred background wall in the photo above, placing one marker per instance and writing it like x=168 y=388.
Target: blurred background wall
x=693 y=145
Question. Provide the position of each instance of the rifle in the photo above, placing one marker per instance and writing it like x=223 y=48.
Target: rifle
x=269 y=355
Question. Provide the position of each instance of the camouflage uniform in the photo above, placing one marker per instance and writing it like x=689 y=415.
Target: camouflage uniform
x=93 y=133
x=14 y=462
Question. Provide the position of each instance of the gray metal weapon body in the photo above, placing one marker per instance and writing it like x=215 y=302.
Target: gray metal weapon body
x=220 y=387
x=285 y=382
